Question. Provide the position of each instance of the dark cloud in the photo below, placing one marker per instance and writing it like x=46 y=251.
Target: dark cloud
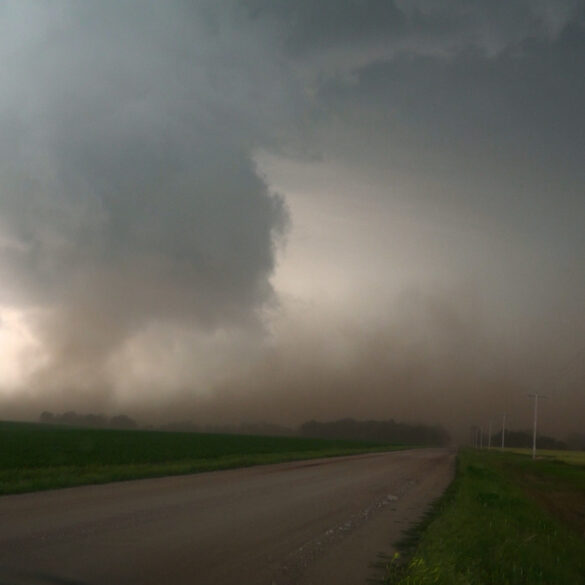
x=136 y=227
x=479 y=143
x=129 y=193
x=333 y=38
x=519 y=107
x=493 y=133
x=311 y=27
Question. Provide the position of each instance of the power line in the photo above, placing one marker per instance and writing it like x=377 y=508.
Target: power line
x=536 y=396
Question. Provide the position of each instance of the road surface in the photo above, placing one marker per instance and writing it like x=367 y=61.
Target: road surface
x=312 y=522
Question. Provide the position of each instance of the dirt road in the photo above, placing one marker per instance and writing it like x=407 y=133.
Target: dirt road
x=310 y=522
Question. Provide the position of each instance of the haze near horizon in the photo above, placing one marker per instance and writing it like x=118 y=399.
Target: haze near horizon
x=279 y=211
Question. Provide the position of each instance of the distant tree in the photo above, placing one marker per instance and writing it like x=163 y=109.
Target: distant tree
x=122 y=421
x=388 y=431
x=94 y=420
x=523 y=440
x=47 y=417
x=69 y=418
x=265 y=429
x=576 y=441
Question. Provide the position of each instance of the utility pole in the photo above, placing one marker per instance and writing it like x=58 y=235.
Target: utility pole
x=481 y=437
x=503 y=428
x=490 y=435
x=536 y=396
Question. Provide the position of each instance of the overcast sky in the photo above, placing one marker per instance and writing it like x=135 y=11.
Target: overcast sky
x=278 y=210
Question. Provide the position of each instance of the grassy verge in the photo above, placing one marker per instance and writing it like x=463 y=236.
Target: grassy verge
x=573 y=457
x=37 y=457
x=491 y=527
x=557 y=486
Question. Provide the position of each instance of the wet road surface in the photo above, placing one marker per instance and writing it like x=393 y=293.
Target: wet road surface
x=310 y=522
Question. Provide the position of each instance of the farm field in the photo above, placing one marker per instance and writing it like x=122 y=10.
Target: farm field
x=36 y=457
x=505 y=519
x=572 y=457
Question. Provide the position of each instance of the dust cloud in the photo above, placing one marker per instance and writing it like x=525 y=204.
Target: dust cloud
x=255 y=211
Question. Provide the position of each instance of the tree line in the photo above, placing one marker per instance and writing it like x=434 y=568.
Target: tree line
x=100 y=421
x=383 y=431
x=388 y=431
x=523 y=440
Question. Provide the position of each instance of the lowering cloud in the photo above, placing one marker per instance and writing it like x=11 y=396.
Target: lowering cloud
x=422 y=152
x=129 y=195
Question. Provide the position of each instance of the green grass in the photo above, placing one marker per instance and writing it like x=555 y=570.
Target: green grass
x=36 y=457
x=493 y=526
x=572 y=457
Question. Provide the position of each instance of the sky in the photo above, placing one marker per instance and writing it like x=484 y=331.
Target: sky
x=277 y=210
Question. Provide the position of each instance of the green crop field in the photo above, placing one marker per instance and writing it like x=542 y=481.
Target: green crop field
x=573 y=457
x=35 y=456
x=505 y=520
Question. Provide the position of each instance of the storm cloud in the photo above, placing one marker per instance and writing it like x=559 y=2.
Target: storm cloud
x=283 y=210
x=129 y=194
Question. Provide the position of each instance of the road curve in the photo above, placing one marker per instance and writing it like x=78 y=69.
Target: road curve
x=311 y=522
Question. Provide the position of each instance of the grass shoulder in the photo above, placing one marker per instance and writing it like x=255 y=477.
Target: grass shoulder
x=491 y=527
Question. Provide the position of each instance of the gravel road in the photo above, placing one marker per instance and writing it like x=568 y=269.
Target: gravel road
x=312 y=522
